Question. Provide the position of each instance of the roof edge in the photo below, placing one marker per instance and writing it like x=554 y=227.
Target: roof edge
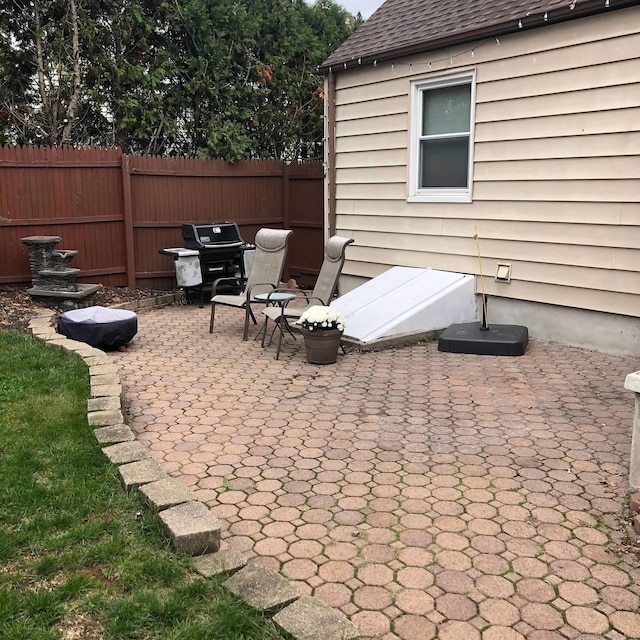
x=525 y=23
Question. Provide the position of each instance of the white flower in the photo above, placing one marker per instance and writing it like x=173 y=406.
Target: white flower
x=320 y=317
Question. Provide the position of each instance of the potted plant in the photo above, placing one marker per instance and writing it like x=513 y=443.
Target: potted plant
x=322 y=328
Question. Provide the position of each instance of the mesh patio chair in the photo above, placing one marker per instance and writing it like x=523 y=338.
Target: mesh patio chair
x=322 y=294
x=266 y=270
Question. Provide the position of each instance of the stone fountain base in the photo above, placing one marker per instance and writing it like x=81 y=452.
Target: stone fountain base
x=81 y=291
x=51 y=273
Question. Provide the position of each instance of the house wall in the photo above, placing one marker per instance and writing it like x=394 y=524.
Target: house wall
x=556 y=175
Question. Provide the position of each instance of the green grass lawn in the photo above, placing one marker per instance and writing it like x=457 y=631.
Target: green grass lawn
x=79 y=559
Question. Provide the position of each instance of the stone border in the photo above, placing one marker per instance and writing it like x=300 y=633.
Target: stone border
x=189 y=524
x=151 y=303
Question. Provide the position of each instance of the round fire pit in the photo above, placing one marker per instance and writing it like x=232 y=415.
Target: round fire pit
x=99 y=327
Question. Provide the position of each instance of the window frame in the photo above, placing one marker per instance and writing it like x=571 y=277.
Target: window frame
x=418 y=90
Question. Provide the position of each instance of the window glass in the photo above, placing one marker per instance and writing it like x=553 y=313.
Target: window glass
x=444 y=163
x=446 y=110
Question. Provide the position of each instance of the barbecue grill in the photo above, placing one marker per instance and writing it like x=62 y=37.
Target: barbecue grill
x=221 y=252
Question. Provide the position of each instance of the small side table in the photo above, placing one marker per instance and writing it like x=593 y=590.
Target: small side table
x=275 y=299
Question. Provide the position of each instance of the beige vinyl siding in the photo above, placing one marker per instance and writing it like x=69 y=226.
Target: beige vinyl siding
x=372 y=108
x=610 y=213
x=373 y=142
x=556 y=176
x=465 y=252
x=583 y=78
x=576 y=124
x=608 y=145
x=624 y=96
x=379 y=158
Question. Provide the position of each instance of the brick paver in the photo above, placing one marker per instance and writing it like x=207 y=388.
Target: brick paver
x=419 y=492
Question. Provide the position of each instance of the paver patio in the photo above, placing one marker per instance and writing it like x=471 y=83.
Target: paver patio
x=421 y=493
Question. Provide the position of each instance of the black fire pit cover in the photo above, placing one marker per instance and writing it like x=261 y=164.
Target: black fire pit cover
x=99 y=327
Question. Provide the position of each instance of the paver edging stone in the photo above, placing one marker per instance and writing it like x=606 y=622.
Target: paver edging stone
x=105 y=418
x=311 y=619
x=633 y=529
x=192 y=528
x=104 y=403
x=134 y=474
x=634 y=503
x=107 y=398
x=124 y=452
x=114 y=434
x=101 y=391
x=225 y=560
x=261 y=588
x=165 y=493
x=103 y=379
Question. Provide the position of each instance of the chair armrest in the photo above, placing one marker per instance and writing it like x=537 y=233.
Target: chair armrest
x=250 y=289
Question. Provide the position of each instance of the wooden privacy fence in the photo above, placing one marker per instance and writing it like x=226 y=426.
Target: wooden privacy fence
x=118 y=210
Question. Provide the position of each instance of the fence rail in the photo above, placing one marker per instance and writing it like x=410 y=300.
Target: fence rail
x=119 y=210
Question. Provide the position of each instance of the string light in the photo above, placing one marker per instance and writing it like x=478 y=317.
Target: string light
x=606 y=4
x=449 y=60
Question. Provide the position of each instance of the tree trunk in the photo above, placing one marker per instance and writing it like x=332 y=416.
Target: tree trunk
x=75 y=79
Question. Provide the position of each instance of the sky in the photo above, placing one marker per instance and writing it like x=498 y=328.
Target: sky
x=365 y=7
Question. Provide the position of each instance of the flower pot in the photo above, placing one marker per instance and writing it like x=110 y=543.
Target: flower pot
x=322 y=345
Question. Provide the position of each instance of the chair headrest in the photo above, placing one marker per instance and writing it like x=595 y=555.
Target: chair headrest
x=334 y=249
x=272 y=239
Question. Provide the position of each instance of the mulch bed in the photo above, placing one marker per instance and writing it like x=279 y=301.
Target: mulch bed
x=17 y=307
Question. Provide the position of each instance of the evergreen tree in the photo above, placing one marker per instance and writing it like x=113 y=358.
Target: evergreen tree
x=213 y=78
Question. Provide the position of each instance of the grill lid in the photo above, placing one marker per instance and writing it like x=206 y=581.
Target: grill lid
x=222 y=235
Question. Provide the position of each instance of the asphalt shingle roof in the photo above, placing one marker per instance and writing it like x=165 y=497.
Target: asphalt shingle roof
x=401 y=27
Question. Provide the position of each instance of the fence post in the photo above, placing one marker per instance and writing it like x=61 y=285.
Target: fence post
x=128 y=221
x=286 y=196
x=286 y=213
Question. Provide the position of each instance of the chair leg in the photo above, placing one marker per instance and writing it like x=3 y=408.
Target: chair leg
x=213 y=313
x=264 y=335
x=280 y=333
x=245 y=333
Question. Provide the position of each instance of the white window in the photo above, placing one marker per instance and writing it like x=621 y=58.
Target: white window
x=442 y=139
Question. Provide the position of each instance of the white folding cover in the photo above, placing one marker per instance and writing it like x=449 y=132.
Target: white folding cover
x=407 y=300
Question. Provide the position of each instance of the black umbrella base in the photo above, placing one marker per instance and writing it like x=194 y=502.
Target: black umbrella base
x=496 y=340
